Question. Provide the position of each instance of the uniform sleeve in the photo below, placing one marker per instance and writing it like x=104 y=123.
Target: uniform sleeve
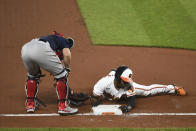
x=99 y=87
x=62 y=43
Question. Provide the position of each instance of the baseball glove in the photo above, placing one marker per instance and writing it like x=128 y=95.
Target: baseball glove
x=78 y=96
x=76 y=103
x=77 y=99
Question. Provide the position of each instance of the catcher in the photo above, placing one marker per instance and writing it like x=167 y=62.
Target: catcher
x=47 y=52
x=119 y=85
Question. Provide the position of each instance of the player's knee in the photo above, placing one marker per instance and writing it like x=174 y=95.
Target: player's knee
x=61 y=81
x=32 y=81
x=63 y=74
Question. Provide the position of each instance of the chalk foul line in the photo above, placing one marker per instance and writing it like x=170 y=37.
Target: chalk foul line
x=91 y=114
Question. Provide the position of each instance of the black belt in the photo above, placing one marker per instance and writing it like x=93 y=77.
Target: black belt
x=43 y=40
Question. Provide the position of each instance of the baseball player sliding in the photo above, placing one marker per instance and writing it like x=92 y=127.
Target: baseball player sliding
x=120 y=86
x=47 y=52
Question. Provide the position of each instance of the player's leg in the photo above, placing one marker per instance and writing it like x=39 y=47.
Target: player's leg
x=31 y=85
x=62 y=90
x=31 y=89
x=49 y=61
x=154 y=89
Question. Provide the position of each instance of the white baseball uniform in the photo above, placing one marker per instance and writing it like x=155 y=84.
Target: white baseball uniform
x=106 y=85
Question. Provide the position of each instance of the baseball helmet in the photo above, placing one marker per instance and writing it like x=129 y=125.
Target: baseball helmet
x=123 y=73
x=123 y=77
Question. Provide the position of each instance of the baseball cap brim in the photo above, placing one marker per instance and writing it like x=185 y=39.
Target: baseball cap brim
x=126 y=79
x=126 y=75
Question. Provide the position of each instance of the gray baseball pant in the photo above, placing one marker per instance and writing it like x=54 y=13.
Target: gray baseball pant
x=36 y=54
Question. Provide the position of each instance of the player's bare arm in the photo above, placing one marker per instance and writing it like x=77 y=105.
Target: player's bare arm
x=66 y=57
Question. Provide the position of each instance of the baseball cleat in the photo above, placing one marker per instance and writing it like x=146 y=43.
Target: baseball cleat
x=180 y=90
x=65 y=109
x=68 y=111
x=30 y=107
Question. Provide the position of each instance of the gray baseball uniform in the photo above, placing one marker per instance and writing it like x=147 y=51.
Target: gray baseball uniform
x=36 y=54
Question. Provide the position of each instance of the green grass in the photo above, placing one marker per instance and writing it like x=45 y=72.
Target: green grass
x=97 y=129
x=154 y=23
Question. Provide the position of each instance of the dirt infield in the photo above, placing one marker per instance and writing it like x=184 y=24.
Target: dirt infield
x=23 y=20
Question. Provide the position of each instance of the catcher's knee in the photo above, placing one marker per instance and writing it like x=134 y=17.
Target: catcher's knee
x=63 y=74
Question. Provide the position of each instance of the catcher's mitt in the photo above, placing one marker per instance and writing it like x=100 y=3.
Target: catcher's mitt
x=77 y=99
x=76 y=103
x=78 y=96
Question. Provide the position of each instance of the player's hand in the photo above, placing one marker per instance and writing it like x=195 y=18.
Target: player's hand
x=125 y=108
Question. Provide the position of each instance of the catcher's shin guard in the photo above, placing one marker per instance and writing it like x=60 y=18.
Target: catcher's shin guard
x=31 y=89
x=62 y=93
x=61 y=89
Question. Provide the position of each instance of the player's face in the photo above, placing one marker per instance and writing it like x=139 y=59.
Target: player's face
x=126 y=85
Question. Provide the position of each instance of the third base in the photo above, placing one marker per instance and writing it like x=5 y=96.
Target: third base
x=107 y=110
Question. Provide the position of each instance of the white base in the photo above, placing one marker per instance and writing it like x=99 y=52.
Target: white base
x=107 y=110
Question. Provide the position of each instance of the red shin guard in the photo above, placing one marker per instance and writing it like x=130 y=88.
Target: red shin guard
x=61 y=89
x=31 y=89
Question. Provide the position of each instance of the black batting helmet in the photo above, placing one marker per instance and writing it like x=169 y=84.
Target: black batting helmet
x=123 y=73
x=123 y=77
x=119 y=72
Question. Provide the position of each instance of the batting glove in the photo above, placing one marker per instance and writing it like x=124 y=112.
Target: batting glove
x=125 y=108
